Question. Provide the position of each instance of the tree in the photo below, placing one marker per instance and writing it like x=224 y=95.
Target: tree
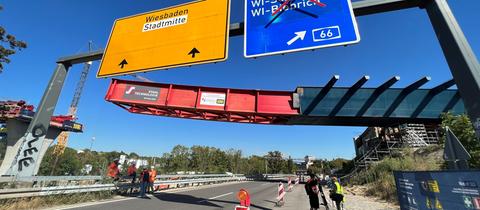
x=275 y=162
x=8 y=46
x=68 y=163
x=290 y=167
x=463 y=129
x=255 y=165
x=180 y=158
x=234 y=157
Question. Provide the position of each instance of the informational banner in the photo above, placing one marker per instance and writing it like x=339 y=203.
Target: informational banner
x=456 y=190
x=213 y=99
x=183 y=35
x=282 y=26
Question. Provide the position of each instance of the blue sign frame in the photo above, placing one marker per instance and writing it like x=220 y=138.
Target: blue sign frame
x=283 y=26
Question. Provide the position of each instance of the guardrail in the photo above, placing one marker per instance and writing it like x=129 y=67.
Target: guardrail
x=44 y=191
x=49 y=178
x=278 y=177
x=69 y=180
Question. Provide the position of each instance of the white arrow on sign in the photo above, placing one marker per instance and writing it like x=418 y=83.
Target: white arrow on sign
x=299 y=35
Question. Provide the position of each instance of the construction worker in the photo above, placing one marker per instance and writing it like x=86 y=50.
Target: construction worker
x=336 y=193
x=153 y=176
x=132 y=171
x=112 y=170
x=312 y=190
x=144 y=180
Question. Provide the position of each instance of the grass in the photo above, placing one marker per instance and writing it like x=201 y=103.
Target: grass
x=54 y=200
x=379 y=177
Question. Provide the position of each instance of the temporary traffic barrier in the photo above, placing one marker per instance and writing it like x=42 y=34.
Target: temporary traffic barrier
x=281 y=194
x=297 y=180
x=244 y=199
x=290 y=186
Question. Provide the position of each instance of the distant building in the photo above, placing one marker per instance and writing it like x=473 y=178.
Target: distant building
x=303 y=165
x=308 y=161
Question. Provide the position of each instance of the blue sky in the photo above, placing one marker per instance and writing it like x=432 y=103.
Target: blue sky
x=396 y=43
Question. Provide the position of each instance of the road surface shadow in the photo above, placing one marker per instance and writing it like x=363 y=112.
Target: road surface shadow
x=237 y=203
x=270 y=201
x=187 y=199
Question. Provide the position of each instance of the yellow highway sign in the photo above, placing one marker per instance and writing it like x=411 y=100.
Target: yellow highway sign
x=183 y=35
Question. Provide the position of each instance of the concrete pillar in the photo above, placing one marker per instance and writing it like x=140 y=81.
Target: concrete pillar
x=15 y=131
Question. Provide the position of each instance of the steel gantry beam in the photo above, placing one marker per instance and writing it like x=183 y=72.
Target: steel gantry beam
x=335 y=106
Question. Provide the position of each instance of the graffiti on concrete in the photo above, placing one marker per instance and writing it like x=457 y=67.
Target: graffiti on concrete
x=38 y=132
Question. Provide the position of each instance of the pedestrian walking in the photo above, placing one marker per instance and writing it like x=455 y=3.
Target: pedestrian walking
x=144 y=180
x=312 y=190
x=336 y=193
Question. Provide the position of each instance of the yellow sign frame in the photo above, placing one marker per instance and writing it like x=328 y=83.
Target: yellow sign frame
x=188 y=34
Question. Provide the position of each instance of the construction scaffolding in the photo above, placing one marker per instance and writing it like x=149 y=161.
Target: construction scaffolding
x=376 y=143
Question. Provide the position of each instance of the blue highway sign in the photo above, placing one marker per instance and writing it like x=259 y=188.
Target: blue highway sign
x=438 y=189
x=282 y=26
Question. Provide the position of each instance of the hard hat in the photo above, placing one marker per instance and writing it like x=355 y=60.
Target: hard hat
x=152 y=167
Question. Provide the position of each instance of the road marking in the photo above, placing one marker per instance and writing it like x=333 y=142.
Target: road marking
x=216 y=197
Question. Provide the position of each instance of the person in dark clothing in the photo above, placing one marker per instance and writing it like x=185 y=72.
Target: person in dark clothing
x=312 y=190
x=144 y=180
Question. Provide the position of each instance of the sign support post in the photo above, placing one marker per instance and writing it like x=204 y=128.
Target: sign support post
x=459 y=55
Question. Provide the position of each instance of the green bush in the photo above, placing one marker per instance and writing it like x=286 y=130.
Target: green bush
x=379 y=177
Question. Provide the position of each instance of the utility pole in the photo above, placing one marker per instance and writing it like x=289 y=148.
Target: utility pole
x=91 y=143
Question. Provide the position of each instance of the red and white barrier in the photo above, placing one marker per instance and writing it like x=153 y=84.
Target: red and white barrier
x=297 y=180
x=281 y=194
x=290 y=186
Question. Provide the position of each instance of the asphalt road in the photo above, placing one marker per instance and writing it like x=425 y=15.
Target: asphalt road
x=262 y=195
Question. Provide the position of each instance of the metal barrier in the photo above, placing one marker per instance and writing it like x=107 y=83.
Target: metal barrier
x=49 y=178
x=56 y=190
x=44 y=191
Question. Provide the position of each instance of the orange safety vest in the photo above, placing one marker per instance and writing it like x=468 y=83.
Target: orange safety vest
x=131 y=170
x=112 y=170
x=153 y=175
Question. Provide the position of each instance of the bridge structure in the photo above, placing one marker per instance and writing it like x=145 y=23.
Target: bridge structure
x=327 y=105
x=16 y=117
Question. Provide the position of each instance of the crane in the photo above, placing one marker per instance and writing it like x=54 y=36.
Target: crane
x=62 y=139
